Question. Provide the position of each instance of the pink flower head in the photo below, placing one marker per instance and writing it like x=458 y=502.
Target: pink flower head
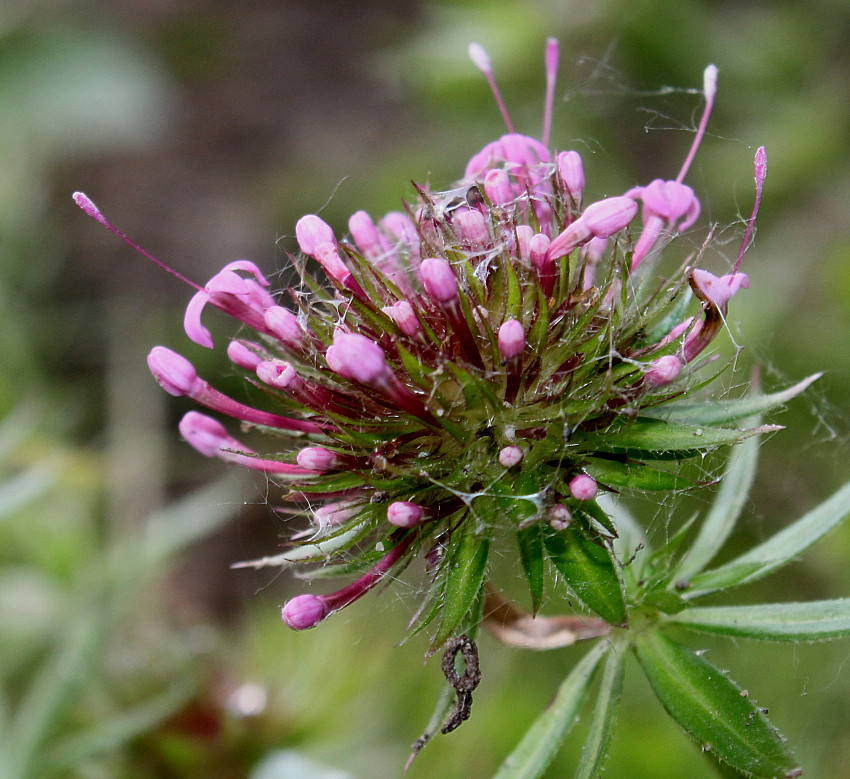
x=242 y=298
x=510 y=456
x=439 y=280
x=511 y=339
x=716 y=290
x=599 y=220
x=583 y=487
x=174 y=373
x=304 y=612
x=521 y=156
x=403 y=513
x=356 y=357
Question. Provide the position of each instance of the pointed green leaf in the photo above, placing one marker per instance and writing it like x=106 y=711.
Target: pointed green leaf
x=731 y=497
x=813 y=621
x=634 y=475
x=778 y=550
x=606 y=705
x=589 y=572
x=466 y=567
x=720 y=413
x=712 y=709
x=543 y=739
x=530 y=542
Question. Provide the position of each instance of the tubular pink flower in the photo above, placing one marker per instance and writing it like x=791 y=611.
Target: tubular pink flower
x=404 y=316
x=245 y=354
x=439 y=280
x=209 y=437
x=318 y=458
x=304 y=612
x=243 y=299
x=283 y=324
x=524 y=234
x=279 y=374
x=511 y=339
x=498 y=188
x=403 y=513
x=718 y=291
x=313 y=233
x=571 y=172
x=599 y=220
x=357 y=358
x=177 y=376
x=510 y=456
x=663 y=371
x=583 y=487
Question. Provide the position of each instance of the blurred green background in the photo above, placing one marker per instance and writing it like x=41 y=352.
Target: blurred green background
x=204 y=129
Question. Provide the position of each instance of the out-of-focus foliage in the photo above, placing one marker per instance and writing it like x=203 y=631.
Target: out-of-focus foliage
x=205 y=130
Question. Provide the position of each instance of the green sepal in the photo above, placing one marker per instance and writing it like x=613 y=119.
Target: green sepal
x=712 y=709
x=589 y=572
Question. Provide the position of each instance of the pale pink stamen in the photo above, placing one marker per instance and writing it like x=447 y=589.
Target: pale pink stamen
x=551 y=76
x=760 y=168
x=709 y=90
x=482 y=62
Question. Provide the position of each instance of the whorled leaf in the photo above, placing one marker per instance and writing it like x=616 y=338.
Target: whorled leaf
x=812 y=621
x=542 y=740
x=712 y=709
x=777 y=550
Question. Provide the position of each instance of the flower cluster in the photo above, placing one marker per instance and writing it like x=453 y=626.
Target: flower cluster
x=486 y=360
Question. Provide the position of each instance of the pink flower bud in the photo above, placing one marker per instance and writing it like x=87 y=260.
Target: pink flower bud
x=663 y=371
x=284 y=324
x=559 y=517
x=403 y=513
x=583 y=487
x=366 y=235
x=317 y=458
x=671 y=201
x=304 y=611
x=332 y=514
x=497 y=187
x=313 y=233
x=471 y=228
x=510 y=456
x=404 y=316
x=205 y=434
x=511 y=339
x=439 y=280
x=244 y=354
x=571 y=171
x=355 y=357
x=537 y=248
x=524 y=234
x=175 y=374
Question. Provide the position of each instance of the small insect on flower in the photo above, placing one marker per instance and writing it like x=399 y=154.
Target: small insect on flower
x=493 y=354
